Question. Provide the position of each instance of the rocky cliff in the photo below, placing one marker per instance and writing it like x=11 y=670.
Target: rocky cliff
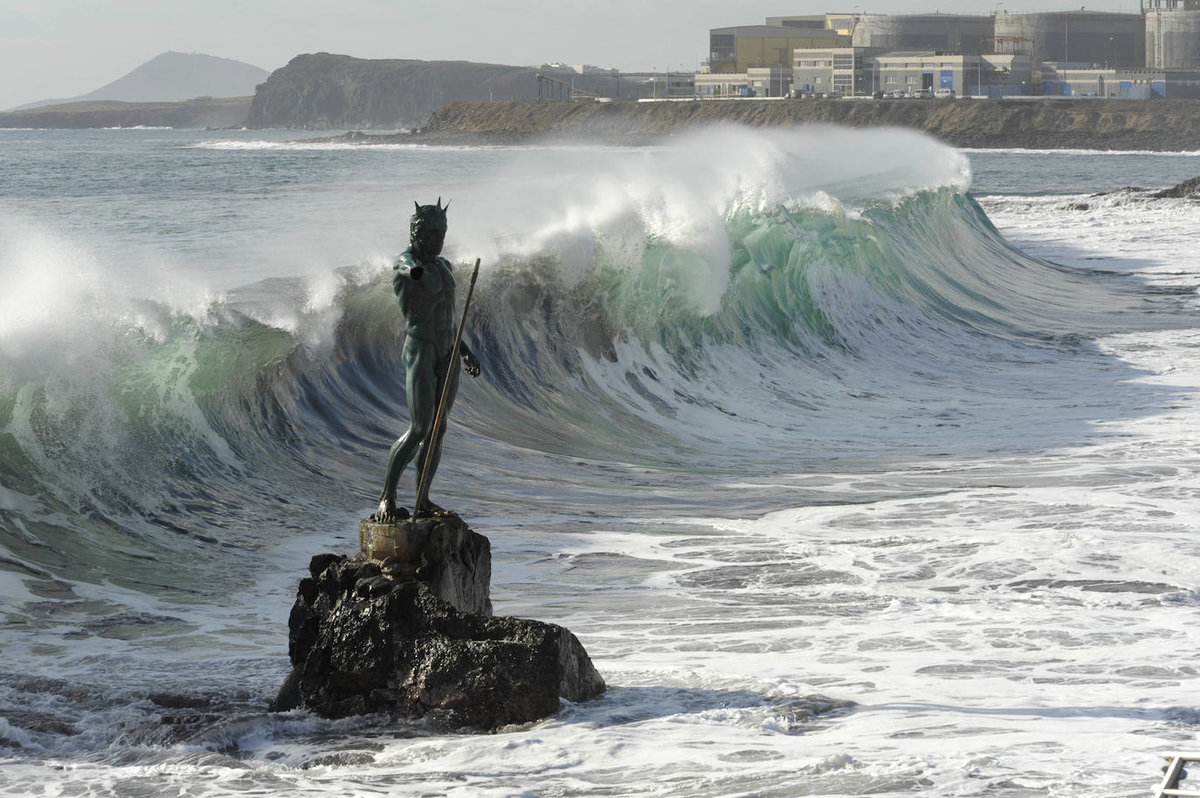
x=330 y=92
x=1166 y=125
x=202 y=112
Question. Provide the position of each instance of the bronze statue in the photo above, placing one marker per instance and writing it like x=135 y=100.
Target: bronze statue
x=424 y=285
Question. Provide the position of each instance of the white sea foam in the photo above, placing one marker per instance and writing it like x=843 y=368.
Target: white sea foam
x=1122 y=231
x=299 y=145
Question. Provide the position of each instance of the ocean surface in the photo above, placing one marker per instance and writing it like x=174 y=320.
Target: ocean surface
x=860 y=465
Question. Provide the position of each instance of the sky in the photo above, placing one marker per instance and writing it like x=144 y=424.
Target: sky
x=55 y=49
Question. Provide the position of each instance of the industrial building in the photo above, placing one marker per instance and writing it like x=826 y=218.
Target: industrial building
x=754 y=82
x=1060 y=53
x=855 y=71
x=1172 y=34
x=978 y=74
x=741 y=48
x=1132 y=84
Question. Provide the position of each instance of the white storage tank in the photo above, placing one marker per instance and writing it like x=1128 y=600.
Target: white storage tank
x=958 y=33
x=1173 y=38
x=1103 y=39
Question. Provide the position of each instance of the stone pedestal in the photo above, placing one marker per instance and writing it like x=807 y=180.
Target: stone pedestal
x=406 y=628
x=403 y=540
x=443 y=552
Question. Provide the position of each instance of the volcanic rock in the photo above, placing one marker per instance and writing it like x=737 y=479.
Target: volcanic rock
x=410 y=638
x=1188 y=188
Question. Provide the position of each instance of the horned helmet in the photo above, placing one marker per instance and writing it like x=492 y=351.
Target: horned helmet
x=427 y=218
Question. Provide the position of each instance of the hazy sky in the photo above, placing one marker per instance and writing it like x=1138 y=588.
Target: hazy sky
x=64 y=48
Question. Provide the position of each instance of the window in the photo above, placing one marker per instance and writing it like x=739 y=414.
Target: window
x=723 y=46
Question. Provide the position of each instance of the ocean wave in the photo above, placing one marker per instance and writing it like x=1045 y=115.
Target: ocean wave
x=682 y=308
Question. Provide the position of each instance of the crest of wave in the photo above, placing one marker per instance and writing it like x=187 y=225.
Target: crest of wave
x=683 y=193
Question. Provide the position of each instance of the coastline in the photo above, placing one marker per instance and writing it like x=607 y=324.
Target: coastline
x=199 y=113
x=1037 y=123
x=1041 y=123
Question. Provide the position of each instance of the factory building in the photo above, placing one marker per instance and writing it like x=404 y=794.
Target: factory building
x=1059 y=80
x=741 y=48
x=857 y=71
x=930 y=71
x=846 y=70
x=1061 y=53
x=1172 y=34
x=843 y=24
x=754 y=82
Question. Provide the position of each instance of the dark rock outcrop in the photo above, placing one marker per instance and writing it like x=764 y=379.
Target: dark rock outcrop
x=1188 y=188
x=369 y=636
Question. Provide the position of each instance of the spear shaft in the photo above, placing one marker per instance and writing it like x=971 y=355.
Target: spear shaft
x=439 y=418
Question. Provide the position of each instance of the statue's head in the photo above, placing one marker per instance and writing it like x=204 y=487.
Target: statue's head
x=427 y=228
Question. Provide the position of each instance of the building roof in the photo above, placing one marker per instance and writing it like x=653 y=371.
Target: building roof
x=775 y=31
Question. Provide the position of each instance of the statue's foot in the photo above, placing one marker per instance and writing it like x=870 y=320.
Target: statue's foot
x=389 y=513
x=431 y=509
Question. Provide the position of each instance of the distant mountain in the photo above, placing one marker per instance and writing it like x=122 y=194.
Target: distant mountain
x=173 y=77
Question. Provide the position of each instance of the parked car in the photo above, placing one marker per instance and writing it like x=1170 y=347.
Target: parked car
x=878 y=95
x=833 y=95
x=944 y=94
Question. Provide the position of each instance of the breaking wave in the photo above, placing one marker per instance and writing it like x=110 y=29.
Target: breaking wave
x=672 y=308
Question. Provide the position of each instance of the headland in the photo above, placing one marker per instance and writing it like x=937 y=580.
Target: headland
x=199 y=113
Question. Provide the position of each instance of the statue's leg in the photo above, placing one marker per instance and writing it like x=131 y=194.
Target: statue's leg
x=453 y=374
x=421 y=389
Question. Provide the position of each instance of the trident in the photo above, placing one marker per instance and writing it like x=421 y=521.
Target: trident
x=439 y=419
